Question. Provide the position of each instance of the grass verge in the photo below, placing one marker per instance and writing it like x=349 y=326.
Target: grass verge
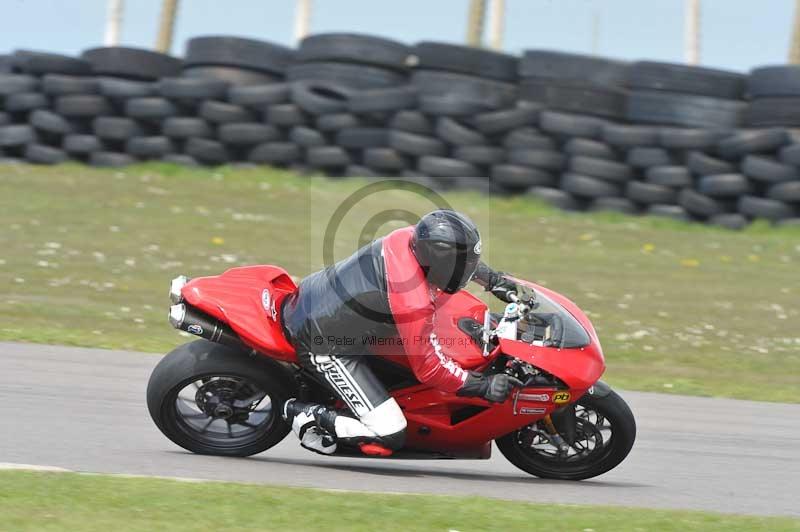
x=86 y=256
x=67 y=501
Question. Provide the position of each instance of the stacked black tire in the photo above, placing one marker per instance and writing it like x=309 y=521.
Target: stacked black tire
x=580 y=132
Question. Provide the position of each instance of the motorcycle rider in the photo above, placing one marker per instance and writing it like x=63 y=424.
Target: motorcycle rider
x=388 y=288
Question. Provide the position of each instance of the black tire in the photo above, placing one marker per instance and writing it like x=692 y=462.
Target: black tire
x=559 y=66
x=465 y=60
x=385 y=159
x=247 y=134
x=280 y=153
x=688 y=138
x=350 y=75
x=328 y=157
x=336 y=122
x=233 y=76
x=788 y=222
x=574 y=97
x=648 y=157
x=768 y=170
x=774 y=111
x=516 y=177
x=238 y=52
x=259 y=96
x=412 y=122
x=623 y=205
x=82 y=144
x=701 y=164
x=50 y=122
x=354 y=48
x=184 y=127
x=181 y=159
x=224 y=113
x=110 y=159
x=192 y=90
x=16 y=135
x=285 y=114
x=701 y=205
x=123 y=89
x=201 y=359
x=543 y=159
x=492 y=94
x=624 y=136
x=650 y=194
x=82 y=106
x=149 y=147
x=25 y=102
x=116 y=128
x=458 y=134
x=356 y=170
x=482 y=155
x=734 y=221
x=62 y=85
x=150 y=108
x=434 y=166
x=779 y=80
x=362 y=137
x=494 y=122
x=413 y=144
x=556 y=198
x=5 y=118
x=41 y=63
x=383 y=100
x=724 y=185
x=456 y=105
x=790 y=154
x=14 y=83
x=675 y=212
x=613 y=171
x=746 y=142
x=669 y=176
x=528 y=138
x=595 y=149
x=132 y=63
x=585 y=186
x=570 y=125
x=41 y=154
x=788 y=192
x=653 y=107
x=769 y=209
x=307 y=137
x=686 y=79
x=207 y=151
x=320 y=97
x=613 y=408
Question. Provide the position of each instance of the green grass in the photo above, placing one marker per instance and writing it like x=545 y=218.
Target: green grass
x=65 y=501
x=86 y=256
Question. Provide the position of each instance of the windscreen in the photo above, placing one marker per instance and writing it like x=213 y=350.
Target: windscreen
x=554 y=326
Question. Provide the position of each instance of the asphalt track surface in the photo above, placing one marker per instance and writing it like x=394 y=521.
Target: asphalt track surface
x=84 y=410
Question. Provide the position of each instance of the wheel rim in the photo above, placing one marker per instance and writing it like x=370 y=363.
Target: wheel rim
x=223 y=411
x=594 y=435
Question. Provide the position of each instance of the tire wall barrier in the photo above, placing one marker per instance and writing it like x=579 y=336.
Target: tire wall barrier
x=579 y=132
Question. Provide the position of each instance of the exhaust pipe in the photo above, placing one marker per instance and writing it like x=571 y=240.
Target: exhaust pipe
x=187 y=318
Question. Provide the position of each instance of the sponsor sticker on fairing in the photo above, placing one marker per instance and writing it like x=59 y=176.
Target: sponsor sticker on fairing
x=531 y=411
x=561 y=397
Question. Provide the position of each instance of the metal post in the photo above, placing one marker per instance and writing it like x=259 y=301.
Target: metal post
x=477 y=8
x=166 y=26
x=497 y=13
x=113 y=22
x=302 y=19
x=691 y=32
x=794 y=45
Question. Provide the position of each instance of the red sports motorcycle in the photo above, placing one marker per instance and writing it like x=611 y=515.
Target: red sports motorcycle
x=223 y=393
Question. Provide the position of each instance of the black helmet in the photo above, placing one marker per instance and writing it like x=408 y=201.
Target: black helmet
x=448 y=247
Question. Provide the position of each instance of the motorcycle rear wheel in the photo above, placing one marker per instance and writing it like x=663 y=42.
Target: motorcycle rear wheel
x=599 y=455
x=211 y=399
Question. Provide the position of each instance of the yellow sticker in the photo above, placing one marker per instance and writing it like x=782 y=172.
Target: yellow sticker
x=561 y=397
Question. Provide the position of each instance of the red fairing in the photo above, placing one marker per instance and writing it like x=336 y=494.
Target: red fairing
x=413 y=308
x=248 y=299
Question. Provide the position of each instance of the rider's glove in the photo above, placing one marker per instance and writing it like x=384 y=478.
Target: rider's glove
x=495 y=388
x=503 y=287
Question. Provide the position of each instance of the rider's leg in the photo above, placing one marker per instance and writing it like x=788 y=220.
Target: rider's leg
x=376 y=417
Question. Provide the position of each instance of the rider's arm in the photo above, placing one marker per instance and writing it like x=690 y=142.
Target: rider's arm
x=495 y=282
x=424 y=353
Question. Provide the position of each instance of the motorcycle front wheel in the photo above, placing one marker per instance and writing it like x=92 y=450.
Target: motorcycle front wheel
x=211 y=399
x=604 y=434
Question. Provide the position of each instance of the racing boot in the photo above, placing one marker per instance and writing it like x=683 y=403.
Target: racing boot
x=307 y=421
